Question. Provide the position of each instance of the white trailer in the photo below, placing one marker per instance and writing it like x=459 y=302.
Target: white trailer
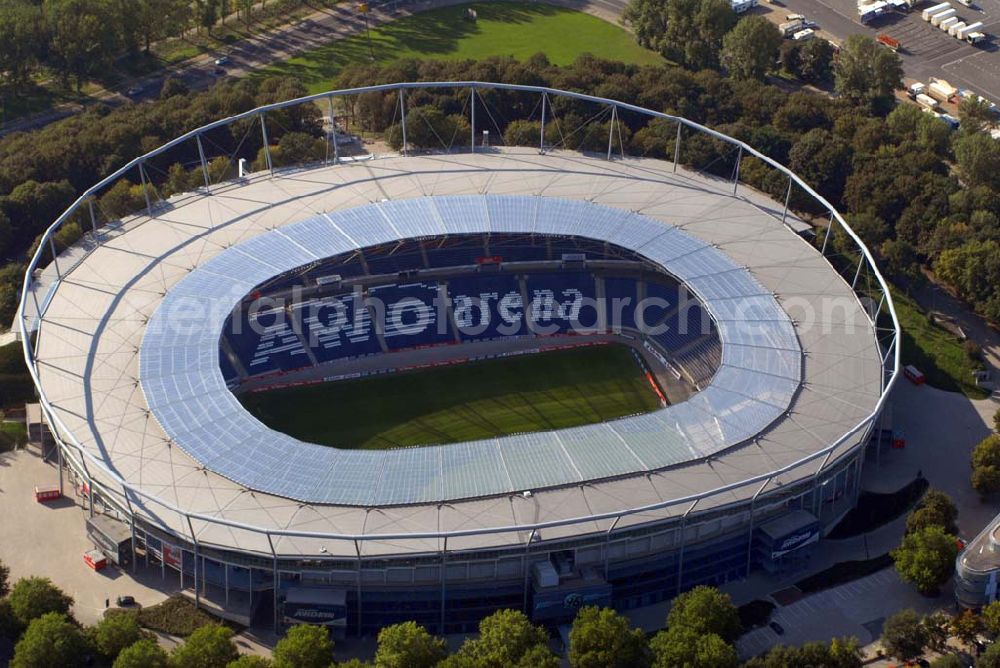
x=927 y=101
x=948 y=23
x=971 y=28
x=931 y=11
x=941 y=16
x=955 y=27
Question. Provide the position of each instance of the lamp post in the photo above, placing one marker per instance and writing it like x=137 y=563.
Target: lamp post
x=363 y=8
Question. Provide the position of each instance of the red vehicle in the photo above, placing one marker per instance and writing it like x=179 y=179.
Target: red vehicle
x=913 y=374
x=890 y=42
x=95 y=559
x=49 y=493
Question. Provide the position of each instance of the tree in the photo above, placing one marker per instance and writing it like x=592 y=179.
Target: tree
x=4 y=579
x=251 y=661
x=839 y=653
x=143 y=654
x=750 y=49
x=975 y=114
x=685 y=31
x=114 y=633
x=816 y=61
x=210 y=646
x=996 y=420
x=937 y=630
x=990 y=658
x=22 y=33
x=935 y=509
x=991 y=618
x=865 y=72
x=50 y=640
x=705 y=610
x=903 y=635
x=603 y=638
x=81 y=43
x=33 y=597
x=926 y=558
x=506 y=638
x=304 y=646
x=966 y=626
x=408 y=645
x=986 y=480
x=824 y=160
x=978 y=158
x=686 y=647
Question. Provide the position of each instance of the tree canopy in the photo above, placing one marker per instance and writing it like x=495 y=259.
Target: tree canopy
x=603 y=638
x=408 y=645
x=705 y=610
x=143 y=654
x=750 y=49
x=51 y=639
x=210 y=646
x=926 y=558
x=304 y=646
x=33 y=597
x=903 y=635
x=866 y=72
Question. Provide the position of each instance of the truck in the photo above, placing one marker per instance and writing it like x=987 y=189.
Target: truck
x=948 y=23
x=803 y=35
x=970 y=28
x=887 y=41
x=111 y=537
x=975 y=37
x=926 y=101
x=872 y=11
x=941 y=16
x=791 y=27
x=915 y=89
x=941 y=90
x=931 y=11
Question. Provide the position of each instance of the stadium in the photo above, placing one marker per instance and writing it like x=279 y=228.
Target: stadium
x=429 y=384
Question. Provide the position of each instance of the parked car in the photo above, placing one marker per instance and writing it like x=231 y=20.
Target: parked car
x=125 y=601
x=222 y=60
x=777 y=628
x=135 y=90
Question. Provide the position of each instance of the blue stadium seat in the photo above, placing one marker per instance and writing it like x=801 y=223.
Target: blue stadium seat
x=411 y=315
x=562 y=301
x=487 y=306
x=617 y=291
x=337 y=327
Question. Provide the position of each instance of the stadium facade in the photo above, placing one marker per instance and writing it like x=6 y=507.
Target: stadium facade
x=139 y=335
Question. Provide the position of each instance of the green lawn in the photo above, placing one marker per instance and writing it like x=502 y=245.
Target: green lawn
x=552 y=390
x=936 y=352
x=504 y=29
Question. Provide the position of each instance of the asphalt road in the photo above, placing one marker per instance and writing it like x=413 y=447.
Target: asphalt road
x=927 y=51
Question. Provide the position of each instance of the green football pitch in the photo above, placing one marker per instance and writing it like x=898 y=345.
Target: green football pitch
x=463 y=402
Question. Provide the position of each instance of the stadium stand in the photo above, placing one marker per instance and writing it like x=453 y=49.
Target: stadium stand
x=411 y=315
x=557 y=300
x=337 y=327
x=487 y=306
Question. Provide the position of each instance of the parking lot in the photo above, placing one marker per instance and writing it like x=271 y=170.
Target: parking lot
x=926 y=50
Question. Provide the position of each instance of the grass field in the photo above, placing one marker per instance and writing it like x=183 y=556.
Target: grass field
x=552 y=390
x=515 y=29
x=937 y=353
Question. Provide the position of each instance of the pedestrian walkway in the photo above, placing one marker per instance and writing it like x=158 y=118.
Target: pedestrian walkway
x=855 y=609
